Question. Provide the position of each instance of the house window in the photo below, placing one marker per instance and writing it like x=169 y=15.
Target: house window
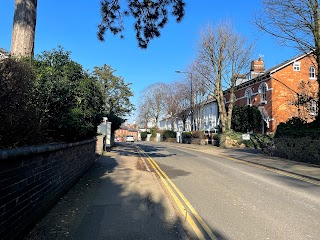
x=248 y=94
x=263 y=92
x=296 y=66
x=312 y=72
x=313 y=107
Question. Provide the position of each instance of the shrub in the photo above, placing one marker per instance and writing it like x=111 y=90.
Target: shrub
x=198 y=134
x=297 y=128
x=143 y=136
x=169 y=134
x=256 y=140
x=19 y=117
x=186 y=134
x=246 y=118
x=70 y=102
x=153 y=132
x=51 y=100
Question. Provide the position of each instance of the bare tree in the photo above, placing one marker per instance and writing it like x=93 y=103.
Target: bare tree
x=306 y=95
x=295 y=23
x=200 y=94
x=184 y=107
x=171 y=100
x=154 y=95
x=222 y=55
x=144 y=115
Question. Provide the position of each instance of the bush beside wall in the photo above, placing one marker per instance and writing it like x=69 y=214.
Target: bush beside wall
x=32 y=179
x=304 y=149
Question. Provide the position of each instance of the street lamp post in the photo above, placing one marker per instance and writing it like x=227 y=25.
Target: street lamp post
x=191 y=98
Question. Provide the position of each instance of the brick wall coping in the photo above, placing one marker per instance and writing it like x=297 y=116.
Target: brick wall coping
x=28 y=151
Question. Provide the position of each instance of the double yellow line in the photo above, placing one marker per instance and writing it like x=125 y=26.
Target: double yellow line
x=194 y=219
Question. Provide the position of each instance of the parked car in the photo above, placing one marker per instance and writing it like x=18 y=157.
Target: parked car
x=130 y=139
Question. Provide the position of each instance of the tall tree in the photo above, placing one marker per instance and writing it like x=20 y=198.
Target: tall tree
x=154 y=95
x=150 y=17
x=171 y=100
x=144 y=114
x=295 y=23
x=200 y=94
x=24 y=26
x=222 y=55
x=117 y=92
x=69 y=101
x=184 y=106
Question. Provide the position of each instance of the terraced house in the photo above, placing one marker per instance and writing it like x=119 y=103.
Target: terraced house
x=282 y=92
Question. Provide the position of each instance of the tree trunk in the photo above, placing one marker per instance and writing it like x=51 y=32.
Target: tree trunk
x=317 y=50
x=24 y=26
x=172 y=122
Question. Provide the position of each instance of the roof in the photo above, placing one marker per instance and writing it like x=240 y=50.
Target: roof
x=4 y=54
x=274 y=69
x=132 y=130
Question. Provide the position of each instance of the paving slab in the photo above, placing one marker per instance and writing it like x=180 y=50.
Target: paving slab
x=116 y=199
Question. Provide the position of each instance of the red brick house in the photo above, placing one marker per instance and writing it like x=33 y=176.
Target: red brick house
x=126 y=130
x=276 y=91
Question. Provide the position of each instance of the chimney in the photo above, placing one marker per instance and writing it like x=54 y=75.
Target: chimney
x=257 y=65
x=128 y=125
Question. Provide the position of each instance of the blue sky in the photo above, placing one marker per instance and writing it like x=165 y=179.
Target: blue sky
x=73 y=25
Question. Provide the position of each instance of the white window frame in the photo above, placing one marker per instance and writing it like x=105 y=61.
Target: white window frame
x=312 y=72
x=263 y=88
x=313 y=107
x=248 y=94
x=296 y=66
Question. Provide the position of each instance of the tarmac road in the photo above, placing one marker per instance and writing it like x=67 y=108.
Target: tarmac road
x=240 y=201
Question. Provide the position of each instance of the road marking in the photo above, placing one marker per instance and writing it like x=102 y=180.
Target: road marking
x=165 y=179
x=256 y=165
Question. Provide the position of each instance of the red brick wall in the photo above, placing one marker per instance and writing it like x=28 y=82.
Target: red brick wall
x=279 y=97
x=34 y=178
x=283 y=97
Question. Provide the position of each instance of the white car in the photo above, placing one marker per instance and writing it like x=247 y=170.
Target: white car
x=130 y=139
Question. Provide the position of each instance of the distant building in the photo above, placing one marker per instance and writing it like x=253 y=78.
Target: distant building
x=3 y=54
x=206 y=117
x=279 y=91
x=126 y=130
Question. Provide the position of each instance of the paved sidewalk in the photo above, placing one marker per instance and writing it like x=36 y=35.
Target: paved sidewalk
x=116 y=199
x=255 y=156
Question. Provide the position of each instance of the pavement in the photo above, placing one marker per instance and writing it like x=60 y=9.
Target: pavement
x=118 y=198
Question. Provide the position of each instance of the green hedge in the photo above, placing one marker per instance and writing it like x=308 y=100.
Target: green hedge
x=144 y=135
x=298 y=128
x=246 y=118
x=48 y=99
x=168 y=134
x=186 y=134
x=18 y=113
x=198 y=134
